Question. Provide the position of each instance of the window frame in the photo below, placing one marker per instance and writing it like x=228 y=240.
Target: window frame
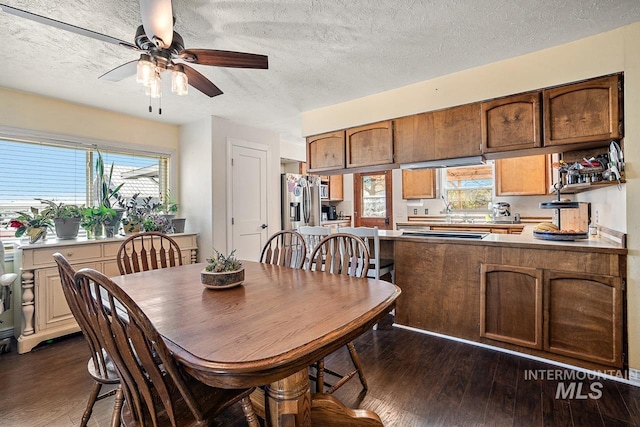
x=88 y=143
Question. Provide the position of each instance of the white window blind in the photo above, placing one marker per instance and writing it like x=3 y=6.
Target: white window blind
x=30 y=170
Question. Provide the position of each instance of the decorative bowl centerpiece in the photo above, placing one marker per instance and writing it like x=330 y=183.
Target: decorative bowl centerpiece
x=222 y=272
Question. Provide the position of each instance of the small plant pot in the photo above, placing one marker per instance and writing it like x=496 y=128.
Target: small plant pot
x=178 y=224
x=131 y=228
x=37 y=234
x=222 y=280
x=67 y=228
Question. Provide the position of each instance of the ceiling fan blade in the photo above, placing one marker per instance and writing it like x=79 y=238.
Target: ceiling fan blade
x=121 y=72
x=157 y=20
x=223 y=58
x=65 y=26
x=200 y=82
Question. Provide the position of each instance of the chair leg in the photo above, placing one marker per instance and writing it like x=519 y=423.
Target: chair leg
x=93 y=396
x=117 y=407
x=249 y=413
x=356 y=362
x=320 y=376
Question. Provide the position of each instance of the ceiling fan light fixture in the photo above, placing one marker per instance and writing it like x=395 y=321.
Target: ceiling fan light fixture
x=179 y=81
x=145 y=70
x=154 y=90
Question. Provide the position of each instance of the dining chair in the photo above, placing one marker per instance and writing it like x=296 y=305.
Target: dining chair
x=312 y=236
x=370 y=235
x=157 y=389
x=100 y=366
x=150 y=250
x=286 y=248
x=340 y=253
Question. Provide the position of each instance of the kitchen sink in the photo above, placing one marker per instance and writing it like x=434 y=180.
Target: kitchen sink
x=445 y=234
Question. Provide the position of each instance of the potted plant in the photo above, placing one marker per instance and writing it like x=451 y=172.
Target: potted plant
x=94 y=220
x=66 y=218
x=34 y=224
x=222 y=271
x=134 y=212
x=156 y=222
x=169 y=208
x=105 y=192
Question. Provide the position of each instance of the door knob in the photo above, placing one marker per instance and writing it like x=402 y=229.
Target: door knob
x=263 y=226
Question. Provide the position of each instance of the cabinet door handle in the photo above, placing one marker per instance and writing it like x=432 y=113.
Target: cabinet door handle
x=69 y=254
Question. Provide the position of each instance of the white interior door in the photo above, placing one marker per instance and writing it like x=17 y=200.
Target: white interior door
x=249 y=200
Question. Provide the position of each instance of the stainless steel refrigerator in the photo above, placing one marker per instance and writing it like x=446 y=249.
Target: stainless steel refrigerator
x=300 y=200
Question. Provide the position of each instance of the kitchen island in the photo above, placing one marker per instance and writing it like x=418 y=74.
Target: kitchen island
x=563 y=301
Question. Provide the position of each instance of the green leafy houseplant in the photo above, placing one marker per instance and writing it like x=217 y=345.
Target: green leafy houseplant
x=94 y=219
x=65 y=217
x=168 y=204
x=33 y=223
x=103 y=184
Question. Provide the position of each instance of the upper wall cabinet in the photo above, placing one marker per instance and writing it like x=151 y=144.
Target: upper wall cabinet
x=370 y=145
x=414 y=138
x=326 y=152
x=523 y=176
x=583 y=112
x=419 y=184
x=457 y=132
x=511 y=123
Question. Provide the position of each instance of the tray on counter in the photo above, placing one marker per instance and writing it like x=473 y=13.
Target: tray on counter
x=560 y=235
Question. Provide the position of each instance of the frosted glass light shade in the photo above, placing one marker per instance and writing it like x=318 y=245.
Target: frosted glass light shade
x=179 y=83
x=145 y=70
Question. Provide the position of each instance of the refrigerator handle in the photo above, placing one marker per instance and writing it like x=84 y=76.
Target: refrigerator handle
x=306 y=201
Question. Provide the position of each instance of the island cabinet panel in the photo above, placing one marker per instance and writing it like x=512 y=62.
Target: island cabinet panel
x=414 y=138
x=511 y=123
x=583 y=112
x=326 y=152
x=370 y=145
x=511 y=304
x=439 y=283
x=419 y=184
x=458 y=132
x=583 y=316
x=523 y=176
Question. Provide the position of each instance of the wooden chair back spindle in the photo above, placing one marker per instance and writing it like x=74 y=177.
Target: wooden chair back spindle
x=341 y=253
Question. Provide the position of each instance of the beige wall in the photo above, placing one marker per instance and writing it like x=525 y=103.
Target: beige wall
x=602 y=54
x=38 y=113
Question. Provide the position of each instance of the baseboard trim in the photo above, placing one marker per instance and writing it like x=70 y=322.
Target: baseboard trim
x=633 y=375
x=6 y=333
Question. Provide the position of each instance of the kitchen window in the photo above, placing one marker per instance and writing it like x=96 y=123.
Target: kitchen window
x=468 y=188
x=65 y=172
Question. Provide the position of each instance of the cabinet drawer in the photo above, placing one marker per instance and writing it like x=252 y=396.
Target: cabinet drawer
x=71 y=253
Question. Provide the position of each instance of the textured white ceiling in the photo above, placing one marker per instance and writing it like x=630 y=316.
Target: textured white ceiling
x=321 y=52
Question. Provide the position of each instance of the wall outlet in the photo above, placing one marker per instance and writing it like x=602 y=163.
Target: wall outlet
x=415 y=211
x=426 y=211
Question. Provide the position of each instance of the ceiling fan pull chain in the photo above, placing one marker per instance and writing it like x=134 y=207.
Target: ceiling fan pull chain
x=160 y=105
x=150 y=109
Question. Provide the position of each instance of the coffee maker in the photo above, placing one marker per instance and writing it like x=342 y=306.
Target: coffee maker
x=330 y=212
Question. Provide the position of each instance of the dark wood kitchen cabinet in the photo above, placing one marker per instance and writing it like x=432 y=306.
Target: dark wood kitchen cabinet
x=511 y=304
x=326 y=152
x=583 y=112
x=583 y=316
x=370 y=145
x=414 y=138
x=336 y=188
x=458 y=132
x=511 y=123
x=419 y=184
x=523 y=176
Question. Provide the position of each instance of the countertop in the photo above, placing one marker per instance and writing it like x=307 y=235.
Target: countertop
x=470 y=225
x=526 y=239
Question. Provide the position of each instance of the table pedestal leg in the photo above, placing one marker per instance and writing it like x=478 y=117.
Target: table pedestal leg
x=289 y=401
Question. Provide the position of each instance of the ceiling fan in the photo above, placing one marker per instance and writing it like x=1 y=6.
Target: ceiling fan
x=160 y=48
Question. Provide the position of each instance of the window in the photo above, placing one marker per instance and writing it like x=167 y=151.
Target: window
x=64 y=173
x=468 y=188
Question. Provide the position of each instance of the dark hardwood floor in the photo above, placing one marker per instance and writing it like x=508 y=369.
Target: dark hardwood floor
x=414 y=380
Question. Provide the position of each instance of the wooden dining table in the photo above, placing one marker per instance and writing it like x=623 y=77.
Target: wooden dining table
x=265 y=332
